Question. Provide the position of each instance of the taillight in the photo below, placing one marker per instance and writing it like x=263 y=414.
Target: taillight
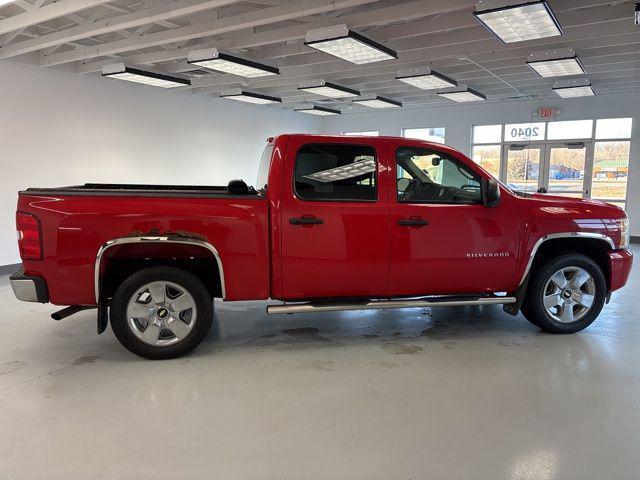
x=29 y=236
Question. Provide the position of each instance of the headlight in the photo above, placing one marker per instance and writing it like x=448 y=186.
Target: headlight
x=625 y=233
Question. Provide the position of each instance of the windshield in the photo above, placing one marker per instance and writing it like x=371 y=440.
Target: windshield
x=263 y=170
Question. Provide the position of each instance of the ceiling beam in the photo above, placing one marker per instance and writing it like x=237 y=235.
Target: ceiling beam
x=242 y=40
x=424 y=50
x=292 y=9
x=166 y=10
x=446 y=22
x=489 y=87
x=43 y=14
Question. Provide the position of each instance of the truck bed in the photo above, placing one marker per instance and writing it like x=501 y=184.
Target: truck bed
x=140 y=190
x=76 y=221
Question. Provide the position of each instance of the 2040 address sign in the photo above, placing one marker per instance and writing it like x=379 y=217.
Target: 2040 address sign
x=524 y=131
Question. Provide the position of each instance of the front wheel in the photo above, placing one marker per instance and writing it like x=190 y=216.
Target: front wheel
x=566 y=294
x=161 y=312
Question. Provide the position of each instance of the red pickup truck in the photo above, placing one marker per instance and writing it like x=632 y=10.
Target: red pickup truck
x=334 y=223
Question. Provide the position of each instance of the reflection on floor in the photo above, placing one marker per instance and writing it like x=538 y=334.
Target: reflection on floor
x=427 y=393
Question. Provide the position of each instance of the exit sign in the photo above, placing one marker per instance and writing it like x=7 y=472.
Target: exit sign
x=548 y=113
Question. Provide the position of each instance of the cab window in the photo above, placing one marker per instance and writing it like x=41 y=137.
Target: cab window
x=430 y=176
x=343 y=172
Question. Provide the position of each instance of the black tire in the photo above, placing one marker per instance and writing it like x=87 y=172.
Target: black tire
x=534 y=309
x=203 y=320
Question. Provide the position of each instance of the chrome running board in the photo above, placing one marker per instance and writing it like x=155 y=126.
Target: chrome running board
x=385 y=304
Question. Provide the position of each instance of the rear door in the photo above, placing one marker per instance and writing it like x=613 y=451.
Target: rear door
x=443 y=240
x=334 y=219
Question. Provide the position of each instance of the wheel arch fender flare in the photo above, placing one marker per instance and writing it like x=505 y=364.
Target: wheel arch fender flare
x=606 y=240
x=523 y=282
x=168 y=239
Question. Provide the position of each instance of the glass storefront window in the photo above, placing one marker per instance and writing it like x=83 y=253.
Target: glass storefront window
x=613 y=128
x=570 y=130
x=610 y=170
x=435 y=134
x=487 y=134
x=523 y=169
x=488 y=157
x=556 y=156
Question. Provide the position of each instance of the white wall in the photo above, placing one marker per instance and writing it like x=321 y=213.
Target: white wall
x=459 y=120
x=60 y=128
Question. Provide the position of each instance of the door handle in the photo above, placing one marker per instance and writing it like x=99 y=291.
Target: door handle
x=306 y=221
x=413 y=222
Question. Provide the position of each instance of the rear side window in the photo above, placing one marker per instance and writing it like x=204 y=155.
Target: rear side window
x=336 y=172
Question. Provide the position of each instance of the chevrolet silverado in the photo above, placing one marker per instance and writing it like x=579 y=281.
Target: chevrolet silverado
x=333 y=223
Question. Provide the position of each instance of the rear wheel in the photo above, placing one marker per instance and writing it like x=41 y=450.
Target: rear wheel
x=566 y=294
x=161 y=312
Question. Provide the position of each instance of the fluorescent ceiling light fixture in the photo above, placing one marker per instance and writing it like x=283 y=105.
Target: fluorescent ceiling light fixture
x=250 y=97
x=559 y=67
x=315 y=110
x=517 y=23
x=121 y=72
x=426 y=79
x=328 y=89
x=342 y=42
x=574 y=91
x=378 y=102
x=214 y=59
x=344 y=172
x=464 y=96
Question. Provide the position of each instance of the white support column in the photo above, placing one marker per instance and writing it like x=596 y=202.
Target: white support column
x=633 y=181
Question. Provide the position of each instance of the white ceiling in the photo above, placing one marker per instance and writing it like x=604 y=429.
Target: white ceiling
x=157 y=35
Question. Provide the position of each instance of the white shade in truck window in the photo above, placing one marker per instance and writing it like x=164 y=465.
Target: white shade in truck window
x=351 y=170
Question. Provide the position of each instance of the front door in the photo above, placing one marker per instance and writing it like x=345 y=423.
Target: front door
x=335 y=217
x=552 y=168
x=523 y=167
x=565 y=170
x=443 y=240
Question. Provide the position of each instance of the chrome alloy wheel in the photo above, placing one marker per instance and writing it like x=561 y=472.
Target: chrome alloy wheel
x=161 y=313
x=569 y=294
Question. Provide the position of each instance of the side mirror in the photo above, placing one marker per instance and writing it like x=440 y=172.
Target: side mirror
x=490 y=192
